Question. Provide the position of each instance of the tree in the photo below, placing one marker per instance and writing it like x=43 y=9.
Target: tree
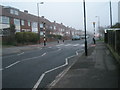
x=12 y=29
x=117 y=25
x=10 y=38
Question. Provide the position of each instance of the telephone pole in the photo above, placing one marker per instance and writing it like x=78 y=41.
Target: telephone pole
x=85 y=27
x=110 y=15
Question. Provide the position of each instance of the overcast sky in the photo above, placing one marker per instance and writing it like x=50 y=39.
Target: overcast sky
x=70 y=12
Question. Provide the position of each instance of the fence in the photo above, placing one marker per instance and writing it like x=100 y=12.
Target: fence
x=112 y=38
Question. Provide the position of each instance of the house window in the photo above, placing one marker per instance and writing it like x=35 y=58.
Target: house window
x=54 y=27
x=28 y=23
x=22 y=22
x=4 y=20
x=4 y=25
x=17 y=25
x=11 y=11
x=50 y=27
x=15 y=12
x=41 y=25
x=34 y=27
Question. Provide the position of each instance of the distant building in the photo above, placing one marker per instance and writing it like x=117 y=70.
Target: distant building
x=119 y=11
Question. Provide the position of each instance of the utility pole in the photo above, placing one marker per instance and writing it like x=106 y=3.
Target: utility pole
x=44 y=34
x=110 y=15
x=98 y=22
x=85 y=27
x=38 y=20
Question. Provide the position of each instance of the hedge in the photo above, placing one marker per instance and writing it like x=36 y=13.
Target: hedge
x=26 y=37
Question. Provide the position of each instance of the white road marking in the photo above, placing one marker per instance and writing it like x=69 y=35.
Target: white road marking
x=38 y=82
x=40 y=49
x=49 y=47
x=23 y=60
x=21 y=53
x=68 y=45
x=30 y=58
x=62 y=74
x=43 y=54
x=59 y=49
x=76 y=45
x=34 y=57
x=42 y=76
x=12 y=64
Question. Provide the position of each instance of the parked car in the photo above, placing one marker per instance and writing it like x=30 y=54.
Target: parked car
x=76 y=37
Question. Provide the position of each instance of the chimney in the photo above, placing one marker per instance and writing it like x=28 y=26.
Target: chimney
x=43 y=17
x=26 y=11
x=61 y=23
x=54 y=21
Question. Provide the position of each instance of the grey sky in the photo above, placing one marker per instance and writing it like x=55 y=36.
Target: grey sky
x=71 y=13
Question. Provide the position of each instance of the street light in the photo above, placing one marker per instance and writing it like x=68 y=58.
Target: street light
x=110 y=15
x=98 y=22
x=38 y=19
x=85 y=27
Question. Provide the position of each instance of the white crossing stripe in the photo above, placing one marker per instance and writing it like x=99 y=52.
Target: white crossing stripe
x=76 y=45
x=68 y=44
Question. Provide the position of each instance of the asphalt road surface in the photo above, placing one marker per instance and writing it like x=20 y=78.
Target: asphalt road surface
x=38 y=68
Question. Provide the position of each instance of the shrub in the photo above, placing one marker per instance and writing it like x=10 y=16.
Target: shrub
x=19 y=37
x=26 y=37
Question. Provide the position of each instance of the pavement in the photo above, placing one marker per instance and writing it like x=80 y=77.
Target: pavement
x=97 y=70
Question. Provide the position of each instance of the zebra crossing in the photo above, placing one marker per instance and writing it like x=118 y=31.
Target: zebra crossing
x=66 y=45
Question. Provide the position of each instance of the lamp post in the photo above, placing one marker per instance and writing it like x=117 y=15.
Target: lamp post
x=98 y=22
x=38 y=20
x=85 y=27
x=110 y=15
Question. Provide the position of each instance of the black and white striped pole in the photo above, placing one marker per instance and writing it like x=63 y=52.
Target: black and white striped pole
x=44 y=34
x=94 y=33
x=94 y=28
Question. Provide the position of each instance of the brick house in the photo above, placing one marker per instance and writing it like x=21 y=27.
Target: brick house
x=26 y=22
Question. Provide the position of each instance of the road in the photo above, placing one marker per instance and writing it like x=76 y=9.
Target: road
x=38 y=68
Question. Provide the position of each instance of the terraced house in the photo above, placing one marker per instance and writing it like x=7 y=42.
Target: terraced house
x=26 y=22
